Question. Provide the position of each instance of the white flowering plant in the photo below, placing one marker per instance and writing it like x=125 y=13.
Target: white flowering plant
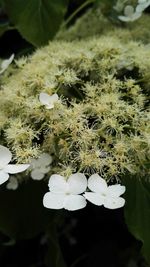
x=74 y=130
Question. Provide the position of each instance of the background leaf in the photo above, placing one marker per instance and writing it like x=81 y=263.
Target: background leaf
x=36 y=20
x=22 y=214
x=137 y=210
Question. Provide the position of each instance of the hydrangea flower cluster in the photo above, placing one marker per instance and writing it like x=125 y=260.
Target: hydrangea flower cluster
x=67 y=193
x=131 y=13
x=63 y=109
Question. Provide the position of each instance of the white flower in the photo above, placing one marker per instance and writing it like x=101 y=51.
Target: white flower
x=5 y=168
x=12 y=184
x=130 y=14
x=48 y=100
x=66 y=194
x=109 y=196
x=5 y=63
x=40 y=166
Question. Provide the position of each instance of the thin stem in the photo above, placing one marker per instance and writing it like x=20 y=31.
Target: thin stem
x=76 y=12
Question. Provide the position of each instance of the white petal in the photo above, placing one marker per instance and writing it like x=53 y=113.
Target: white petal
x=12 y=184
x=58 y=184
x=94 y=198
x=77 y=183
x=142 y=7
x=46 y=159
x=124 y=18
x=114 y=203
x=16 y=168
x=5 y=156
x=44 y=169
x=142 y=1
x=53 y=98
x=44 y=98
x=37 y=175
x=3 y=177
x=34 y=163
x=136 y=16
x=6 y=63
x=129 y=10
x=50 y=106
x=53 y=201
x=74 y=202
x=48 y=100
x=116 y=190
x=97 y=184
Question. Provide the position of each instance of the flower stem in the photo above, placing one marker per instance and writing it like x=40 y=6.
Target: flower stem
x=65 y=23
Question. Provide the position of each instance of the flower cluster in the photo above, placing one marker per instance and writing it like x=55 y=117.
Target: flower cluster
x=67 y=193
x=131 y=14
x=62 y=108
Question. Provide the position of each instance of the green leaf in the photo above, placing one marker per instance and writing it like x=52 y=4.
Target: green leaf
x=3 y=28
x=137 y=210
x=36 y=20
x=22 y=214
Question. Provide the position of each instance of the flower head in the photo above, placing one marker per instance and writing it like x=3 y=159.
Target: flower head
x=40 y=166
x=102 y=194
x=5 y=63
x=48 y=100
x=6 y=168
x=66 y=194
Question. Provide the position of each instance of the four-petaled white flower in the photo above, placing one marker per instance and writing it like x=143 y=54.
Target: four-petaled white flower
x=130 y=14
x=66 y=194
x=102 y=194
x=40 y=166
x=12 y=183
x=47 y=100
x=6 y=168
x=5 y=63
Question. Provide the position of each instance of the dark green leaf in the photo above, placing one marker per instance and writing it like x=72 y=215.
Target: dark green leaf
x=3 y=28
x=22 y=214
x=137 y=210
x=36 y=20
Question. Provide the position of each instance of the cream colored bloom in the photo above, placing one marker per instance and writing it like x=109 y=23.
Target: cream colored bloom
x=66 y=194
x=102 y=194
